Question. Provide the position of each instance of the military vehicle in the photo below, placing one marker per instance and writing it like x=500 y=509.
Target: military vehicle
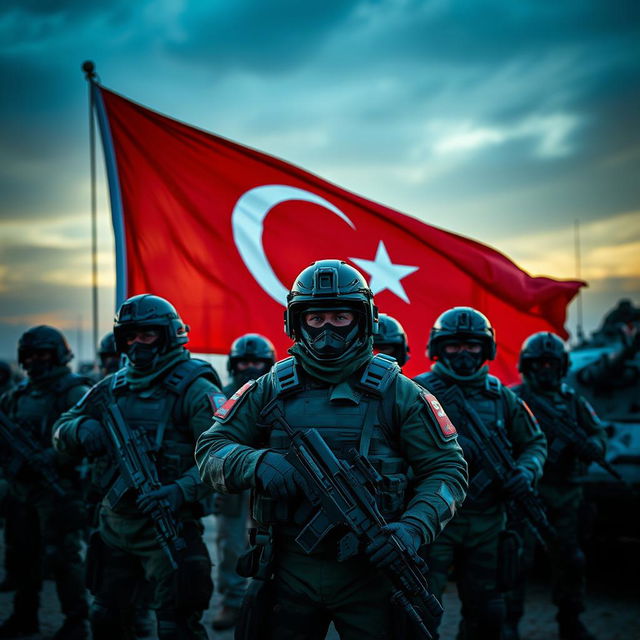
x=605 y=369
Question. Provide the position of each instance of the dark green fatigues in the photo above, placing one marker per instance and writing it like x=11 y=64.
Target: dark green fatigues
x=392 y=424
x=49 y=526
x=471 y=541
x=171 y=408
x=562 y=493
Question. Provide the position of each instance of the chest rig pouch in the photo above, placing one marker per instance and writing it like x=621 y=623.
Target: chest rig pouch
x=351 y=414
x=159 y=414
x=488 y=403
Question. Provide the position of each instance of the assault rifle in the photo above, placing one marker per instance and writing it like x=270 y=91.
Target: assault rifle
x=493 y=449
x=28 y=453
x=565 y=430
x=344 y=492
x=138 y=473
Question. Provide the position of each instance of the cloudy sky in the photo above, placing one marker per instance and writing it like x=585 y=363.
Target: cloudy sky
x=503 y=121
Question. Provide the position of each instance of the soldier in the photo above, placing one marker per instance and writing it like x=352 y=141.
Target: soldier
x=168 y=397
x=543 y=364
x=250 y=357
x=391 y=339
x=109 y=358
x=460 y=342
x=355 y=400
x=48 y=522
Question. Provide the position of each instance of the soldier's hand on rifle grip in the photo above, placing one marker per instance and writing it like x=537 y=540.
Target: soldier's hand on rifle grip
x=382 y=552
x=588 y=450
x=172 y=493
x=277 y=477
x=93 y=437
x=520 y=482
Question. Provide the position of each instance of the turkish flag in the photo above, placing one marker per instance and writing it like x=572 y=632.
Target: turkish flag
x=221 y=231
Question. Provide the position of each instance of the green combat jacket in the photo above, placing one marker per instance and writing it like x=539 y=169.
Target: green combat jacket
x=563 y=465
x=498 y=408
x=229 y=452
x=145 y=408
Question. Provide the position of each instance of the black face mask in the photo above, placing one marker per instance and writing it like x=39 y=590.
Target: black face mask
x=329 y=341
x=464 y=363
x=143 y=356
x=547 y=378
x=250 y=373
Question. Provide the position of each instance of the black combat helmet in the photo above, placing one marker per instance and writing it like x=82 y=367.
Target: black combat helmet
x=543 y=345
x=251 y=346
x=331 y=284
x=44 y=338
x=393 y=337
x=462 y=324
x=543 y=360
x=147 y=311
x=107 y=346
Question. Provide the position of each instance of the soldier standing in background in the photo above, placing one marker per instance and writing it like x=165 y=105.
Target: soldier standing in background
x=461 y=341
x=543 y=364
x=354 y=399
x=48 y=523
x=166 y=398
x=391 y=339
x=250 y=357
x=108 y=356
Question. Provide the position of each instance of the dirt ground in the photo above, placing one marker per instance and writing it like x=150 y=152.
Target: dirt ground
x=613 y=609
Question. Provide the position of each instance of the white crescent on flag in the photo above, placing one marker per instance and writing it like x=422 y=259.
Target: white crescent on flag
x=247 y=221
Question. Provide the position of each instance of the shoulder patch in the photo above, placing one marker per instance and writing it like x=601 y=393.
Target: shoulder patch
x=447 y=428
x=528 y=410
x=225 y=411
x=216 y=400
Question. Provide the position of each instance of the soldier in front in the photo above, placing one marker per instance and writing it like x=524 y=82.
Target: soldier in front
x=354 y=400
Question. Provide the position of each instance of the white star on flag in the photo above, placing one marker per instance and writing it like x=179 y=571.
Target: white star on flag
x=384 y=274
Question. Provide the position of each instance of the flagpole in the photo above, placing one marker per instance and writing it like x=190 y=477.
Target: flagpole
x=90 y=74
x=578 y=258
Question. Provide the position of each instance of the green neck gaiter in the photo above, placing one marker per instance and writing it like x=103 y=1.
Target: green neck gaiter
x=475 y=379
x=337 y=371
x=143 y=379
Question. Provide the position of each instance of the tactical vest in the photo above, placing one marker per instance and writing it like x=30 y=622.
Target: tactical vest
x=562 y=464
x=489 y=404
x=357 y=414
x=37 y=408
x=159 y=414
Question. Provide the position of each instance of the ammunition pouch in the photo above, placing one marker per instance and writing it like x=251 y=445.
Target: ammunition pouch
x=510 y=560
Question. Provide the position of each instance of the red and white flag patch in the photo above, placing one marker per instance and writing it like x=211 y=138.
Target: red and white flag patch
x=445 y=424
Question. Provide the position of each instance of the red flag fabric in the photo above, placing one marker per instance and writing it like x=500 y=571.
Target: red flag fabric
x=221 y=230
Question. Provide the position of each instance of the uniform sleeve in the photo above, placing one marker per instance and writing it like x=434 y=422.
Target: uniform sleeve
x=65 y=429
x=589 y=421
x=528 y=439
x=430 y=445
x=228 y=453
x=200 y=401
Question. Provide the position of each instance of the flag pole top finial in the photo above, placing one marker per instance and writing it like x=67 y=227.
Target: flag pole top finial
x=89 y=70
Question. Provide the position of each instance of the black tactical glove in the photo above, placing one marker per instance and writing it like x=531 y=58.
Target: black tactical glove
x=588 y=450
x=277 y=478
x=382 y=551
x=93 y=437
x=520 y=482
x=171 y=493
